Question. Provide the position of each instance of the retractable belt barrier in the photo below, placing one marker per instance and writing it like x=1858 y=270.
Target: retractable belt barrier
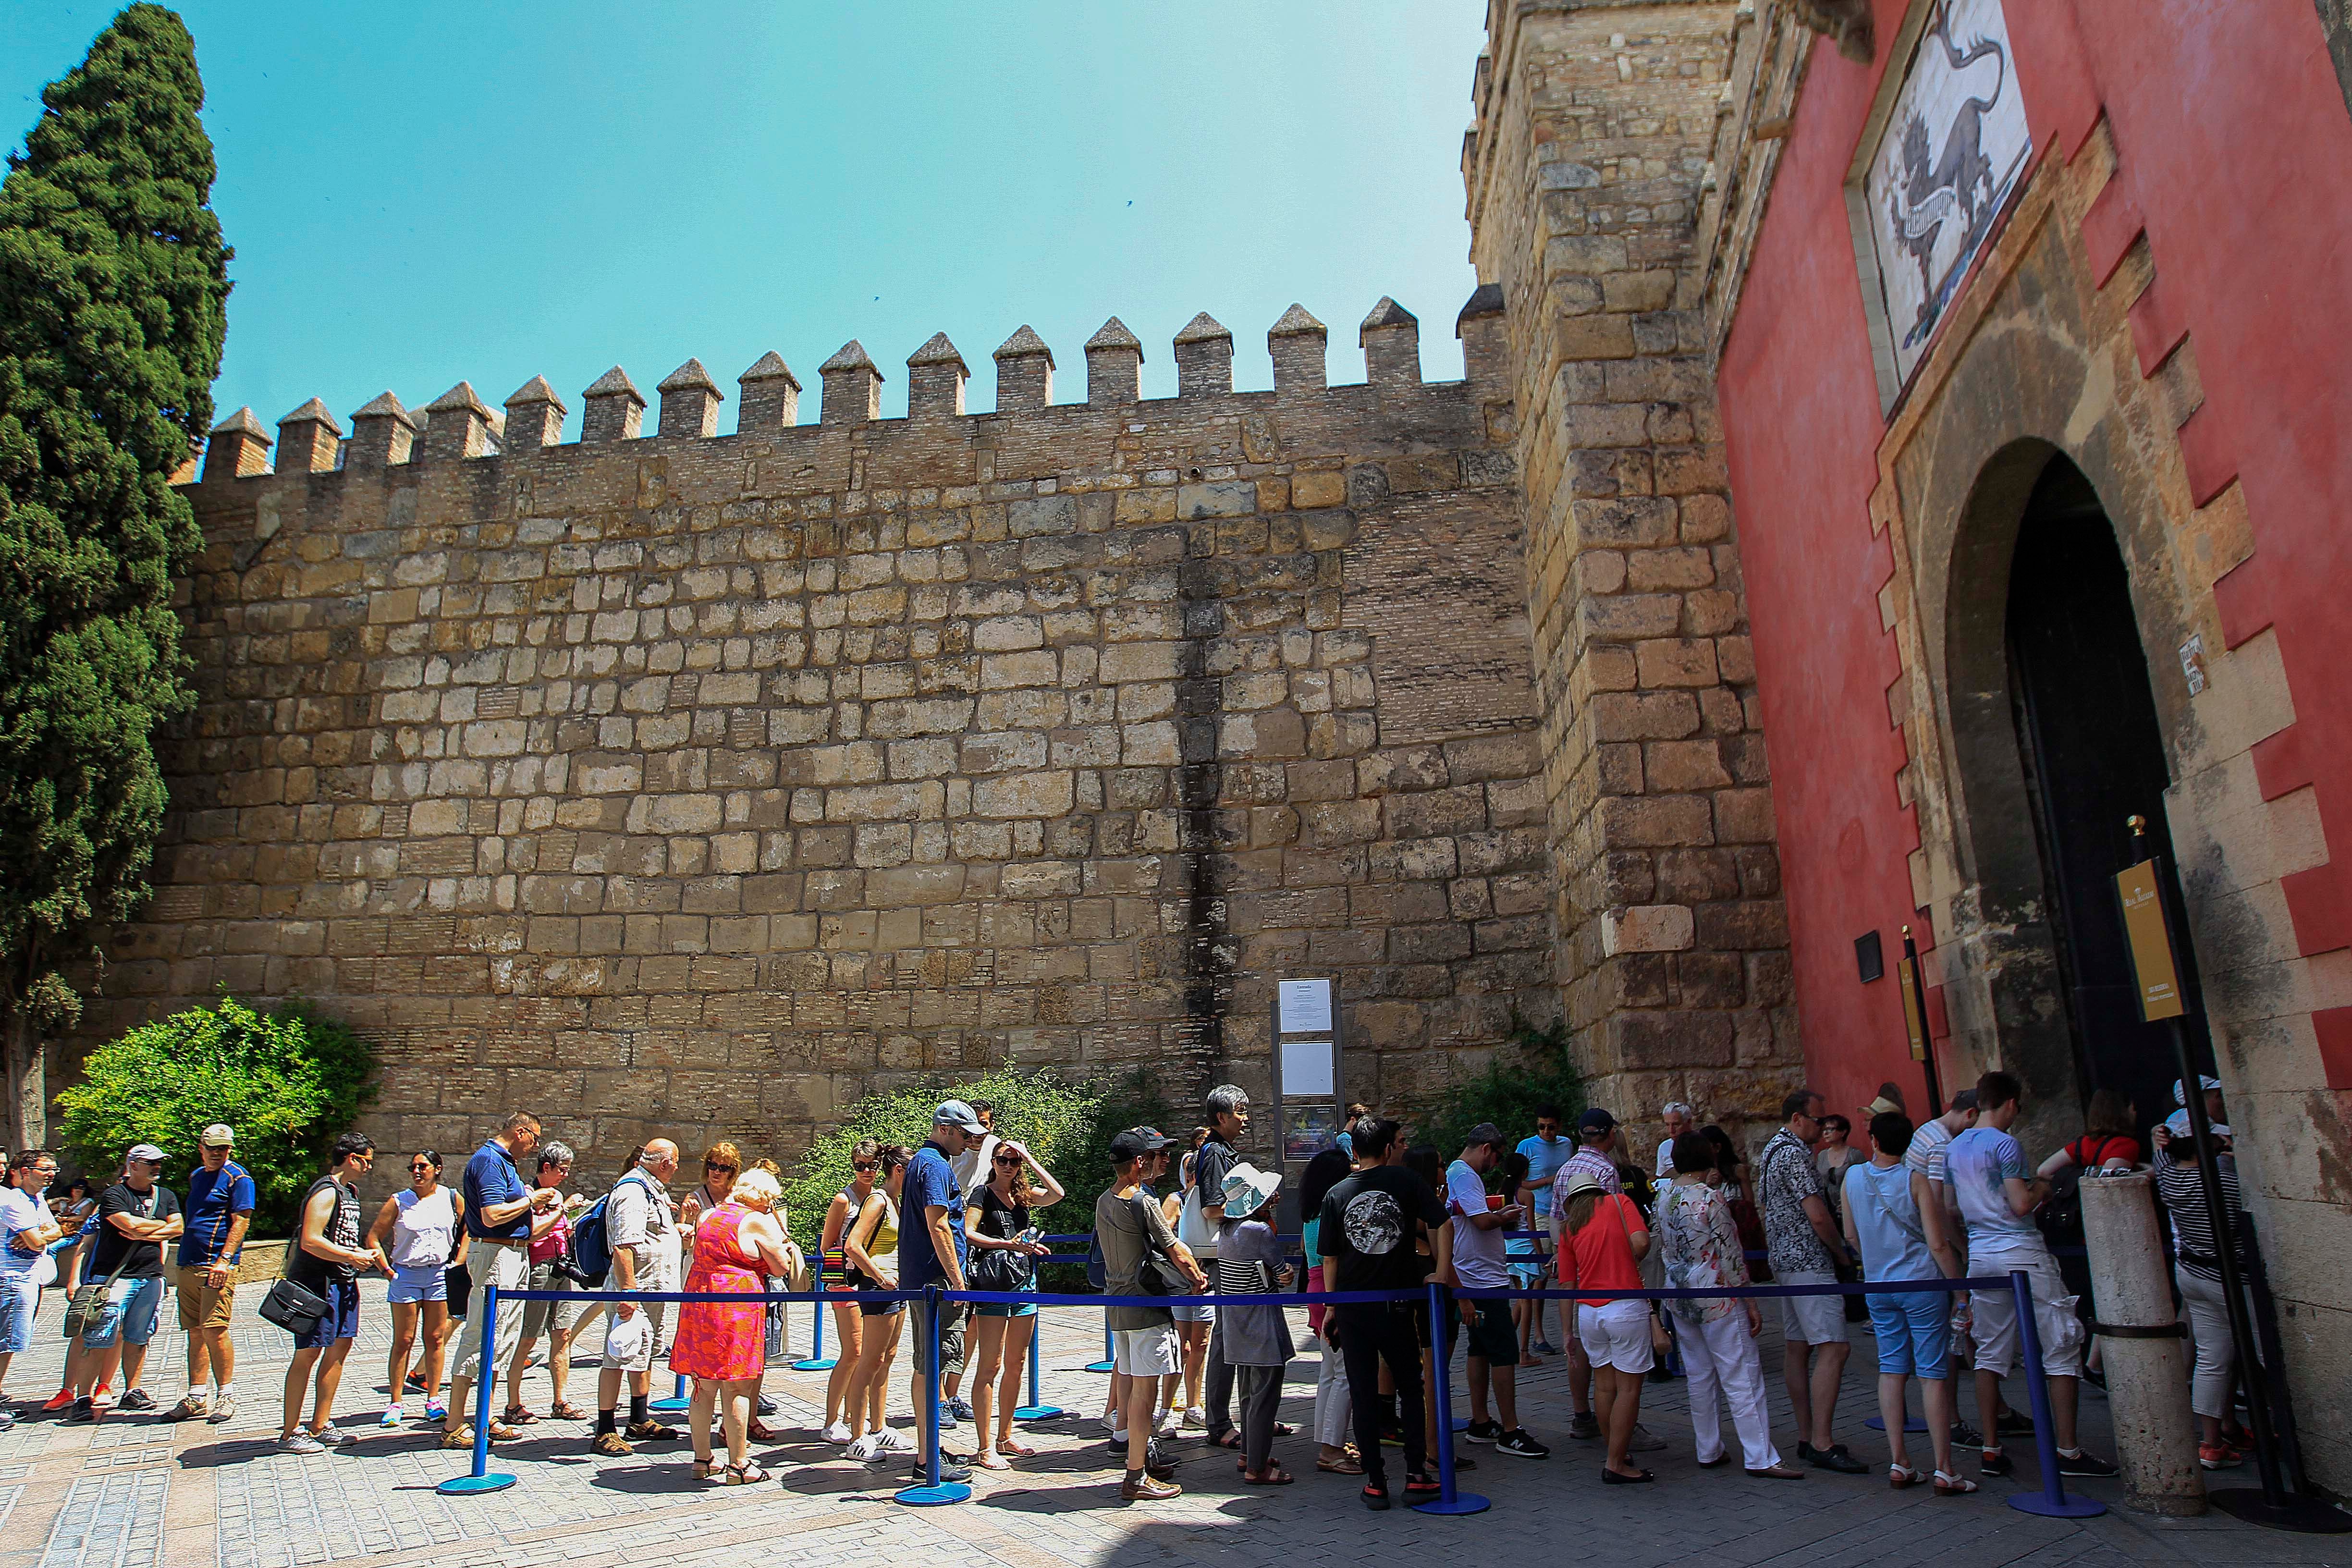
x=2051 y=1500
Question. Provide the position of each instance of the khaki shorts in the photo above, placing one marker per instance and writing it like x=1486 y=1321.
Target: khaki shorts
x=200 y=1306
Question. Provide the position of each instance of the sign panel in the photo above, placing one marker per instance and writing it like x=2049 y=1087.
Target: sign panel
x=2150 y=943
x=1303 y=1007
x=1916 y=1025
x=1308 y=1070
x=1946 y=161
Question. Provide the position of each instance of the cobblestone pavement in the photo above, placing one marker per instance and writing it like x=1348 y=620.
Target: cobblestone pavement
x=133 y=1492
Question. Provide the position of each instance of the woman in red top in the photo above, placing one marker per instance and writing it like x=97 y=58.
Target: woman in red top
x=723 y=1347
x=1604 y=1240
x=2107 y=1144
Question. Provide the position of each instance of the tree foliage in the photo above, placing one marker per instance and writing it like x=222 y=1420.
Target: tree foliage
x=1532 y=1071
x=113 y=291
x=1068 y=1125
x=289 y=1082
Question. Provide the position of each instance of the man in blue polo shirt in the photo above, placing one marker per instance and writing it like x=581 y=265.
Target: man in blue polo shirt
x=931 y=1249
x=220 y=1206
x=498 y=1206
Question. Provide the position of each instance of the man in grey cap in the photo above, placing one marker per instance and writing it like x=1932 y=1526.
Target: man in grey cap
x=136 y=1218
x=931 y=1251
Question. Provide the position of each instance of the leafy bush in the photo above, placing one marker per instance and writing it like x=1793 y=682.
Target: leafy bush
x=1066 y=1124
x=290 y=1082
x=1533 y=1071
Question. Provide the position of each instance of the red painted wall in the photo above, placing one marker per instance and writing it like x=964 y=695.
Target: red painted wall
x=2233 y=136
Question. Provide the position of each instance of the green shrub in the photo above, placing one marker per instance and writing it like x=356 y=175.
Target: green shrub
x=1066 y=1124
x=1531 y=1071
x=290 y=1082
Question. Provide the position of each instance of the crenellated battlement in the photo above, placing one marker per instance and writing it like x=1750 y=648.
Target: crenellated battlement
x=459 y=424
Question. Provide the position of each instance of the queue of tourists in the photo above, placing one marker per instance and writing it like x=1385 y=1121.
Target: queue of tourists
x=1564 y=1209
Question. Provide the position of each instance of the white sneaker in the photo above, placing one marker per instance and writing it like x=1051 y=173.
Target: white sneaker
x=1109 y=1421
x=837 y=1433
x=1167 y=1427
x=866 y=1449
x=1196 y=1418
x=897 y=1442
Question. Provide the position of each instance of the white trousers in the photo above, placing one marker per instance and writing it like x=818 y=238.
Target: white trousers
x=1334 y=1414
x=2217 y=1352
x=1722 y=1354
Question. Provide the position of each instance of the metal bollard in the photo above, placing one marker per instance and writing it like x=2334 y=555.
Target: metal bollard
x=480 y=1478
x=932 y=1491
x=1037 y=1409
x=2052 y=1501
x=2148 y=1378
x=1449 y=1502
x=817 y=1360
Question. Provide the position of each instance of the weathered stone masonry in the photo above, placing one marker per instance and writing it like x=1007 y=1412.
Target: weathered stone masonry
x=695 y=785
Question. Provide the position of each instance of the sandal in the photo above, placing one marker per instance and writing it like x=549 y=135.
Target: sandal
x=566 y=1411
x=518 y=1416
x=744 y=1476
x=1349 y=1465
x=705 y=1468
x=759 y=1431
x=1230 y=1440
x=1901 y=1476
x=1949 y=1485
x=1015 y=1449
x=1275 y=1475
x=1284 y=1429
x=502 y=1433
x=989 y=1460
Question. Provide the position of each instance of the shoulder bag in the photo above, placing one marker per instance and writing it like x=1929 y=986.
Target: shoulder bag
x=87 y=1303
x=291 y=1307
x=1159 y=1276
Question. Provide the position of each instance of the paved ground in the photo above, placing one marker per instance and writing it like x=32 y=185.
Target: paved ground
x=134 y=1493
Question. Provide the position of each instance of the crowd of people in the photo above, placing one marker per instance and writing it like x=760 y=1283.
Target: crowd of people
x=1945 y=1199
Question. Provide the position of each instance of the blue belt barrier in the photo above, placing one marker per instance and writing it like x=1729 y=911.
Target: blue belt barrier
x=2052 y=1501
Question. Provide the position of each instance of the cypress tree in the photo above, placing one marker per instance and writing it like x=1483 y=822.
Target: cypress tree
x=113 y=293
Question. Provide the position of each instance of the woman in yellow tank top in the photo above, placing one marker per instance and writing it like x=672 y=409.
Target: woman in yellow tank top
x=871 y=1246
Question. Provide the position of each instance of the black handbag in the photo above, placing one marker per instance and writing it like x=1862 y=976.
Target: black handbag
x=294 y=1308
x=1157 y=1277
x=999 y=1269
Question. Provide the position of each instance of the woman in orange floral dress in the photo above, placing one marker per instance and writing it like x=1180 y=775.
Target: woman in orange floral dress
x=722 y=1346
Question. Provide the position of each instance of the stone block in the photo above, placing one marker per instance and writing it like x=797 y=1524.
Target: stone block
x=1655 y=821
x=1646 y=927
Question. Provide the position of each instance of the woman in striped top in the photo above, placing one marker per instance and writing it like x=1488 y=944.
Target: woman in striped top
x=2197 y=1269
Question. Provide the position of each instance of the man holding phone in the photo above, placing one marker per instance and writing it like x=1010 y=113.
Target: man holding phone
x=30 y=1228
x=1479 y=1220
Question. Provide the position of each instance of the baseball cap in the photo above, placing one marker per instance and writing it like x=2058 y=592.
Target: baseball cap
x=1136 y=1143
x=2204 y=1080
x=1596 y=1121
x=956 y=1113
x=145 y=1151
x=218 y=1136
x=2177 y=1125
x=1485 y=1132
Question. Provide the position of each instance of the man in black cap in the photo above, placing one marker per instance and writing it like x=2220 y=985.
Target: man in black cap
x=1134 y=1234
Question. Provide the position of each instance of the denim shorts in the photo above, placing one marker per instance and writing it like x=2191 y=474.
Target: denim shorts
x=130 y=1311
x=19 y=1296
x=343 y=1318
x=1913 y=1338
x=419 y=1282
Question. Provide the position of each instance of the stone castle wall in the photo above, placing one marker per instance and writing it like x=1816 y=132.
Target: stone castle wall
x=694 y=785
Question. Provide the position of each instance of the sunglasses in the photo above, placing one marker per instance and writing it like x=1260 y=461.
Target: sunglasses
x=717 y=1165
x=1008 y=1159
x=866 y=1165
x=420 y=1168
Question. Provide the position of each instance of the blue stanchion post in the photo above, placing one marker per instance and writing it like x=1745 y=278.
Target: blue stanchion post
x=817 y=1360
x=1037 y=1409
x=932 y=1492
x=480 y=1478
x=1105 y=1364
x=2052 y=1501
x=1449 y=1502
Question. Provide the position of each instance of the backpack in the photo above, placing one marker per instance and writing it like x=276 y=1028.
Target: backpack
x=2060 y=1217
x=590 y=1260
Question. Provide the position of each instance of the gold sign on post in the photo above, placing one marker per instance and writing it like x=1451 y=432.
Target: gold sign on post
x=2151 y=944
x=1912 y=1022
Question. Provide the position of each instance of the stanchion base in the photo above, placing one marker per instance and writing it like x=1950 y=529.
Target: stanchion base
x=1100 y=1366
x=2074 y=1506
x=1462 y=1423
x=2304 y=1515
x=827 y=1364
x=1038 y=1413
x=932 y=1497
x=1910 y=1424
x=1464 y=1502
x=462 y=1485
x=670 y=1406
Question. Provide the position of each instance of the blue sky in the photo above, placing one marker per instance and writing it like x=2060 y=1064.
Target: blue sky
x=429 y=192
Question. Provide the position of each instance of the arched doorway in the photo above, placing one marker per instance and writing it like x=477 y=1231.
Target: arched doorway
x=2093 y=754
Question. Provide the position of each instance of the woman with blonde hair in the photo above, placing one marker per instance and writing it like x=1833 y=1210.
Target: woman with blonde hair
x=865 y=1161
x=722 y=1346
x=871 y=1248
x=997 y=1222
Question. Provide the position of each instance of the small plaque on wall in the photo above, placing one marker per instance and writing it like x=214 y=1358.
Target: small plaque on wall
x=1869 y=957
